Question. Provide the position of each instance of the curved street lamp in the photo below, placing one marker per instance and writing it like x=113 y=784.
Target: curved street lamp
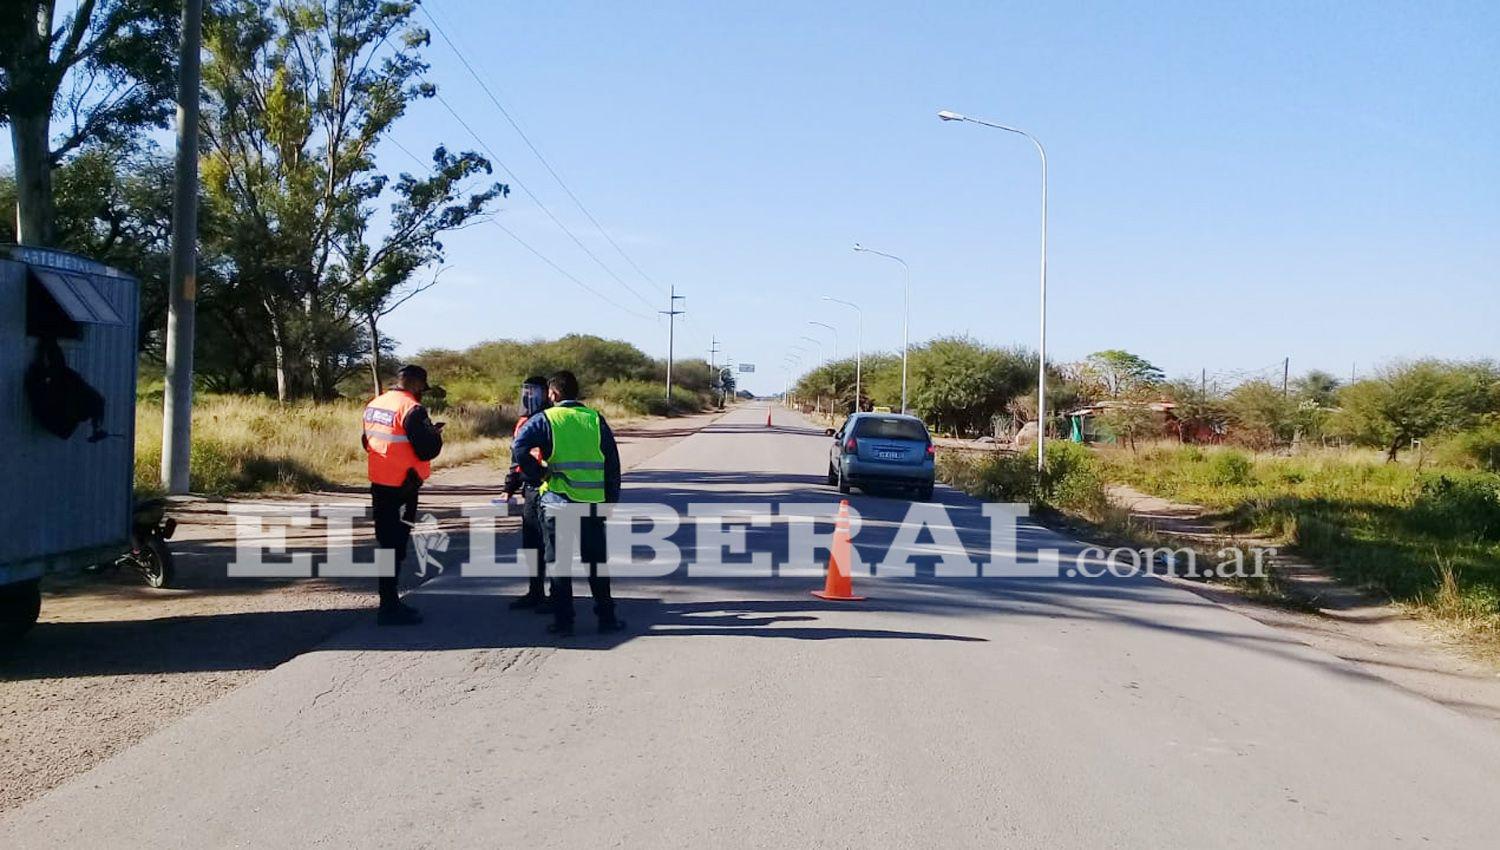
x=1041 y=369
x=819 y=343
x=905 y=317
x=859 y=344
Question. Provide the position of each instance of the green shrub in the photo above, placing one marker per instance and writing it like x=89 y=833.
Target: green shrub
x=646 y=398
x=1230 y=469
x=1458 y=505
x=1074 y=480
x=1478 y=448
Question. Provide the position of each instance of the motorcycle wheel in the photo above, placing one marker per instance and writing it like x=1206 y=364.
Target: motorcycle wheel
x=155 y=562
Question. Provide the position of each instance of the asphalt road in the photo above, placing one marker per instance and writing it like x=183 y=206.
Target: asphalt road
x=744 y=712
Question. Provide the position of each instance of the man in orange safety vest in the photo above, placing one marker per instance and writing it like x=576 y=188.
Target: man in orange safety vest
x=400 y=441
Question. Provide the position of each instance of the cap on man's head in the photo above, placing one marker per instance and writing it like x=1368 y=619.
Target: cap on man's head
x=412 y=373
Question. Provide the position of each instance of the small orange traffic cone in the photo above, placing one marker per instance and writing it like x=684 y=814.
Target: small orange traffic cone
x=839 y=585
x=768 y=416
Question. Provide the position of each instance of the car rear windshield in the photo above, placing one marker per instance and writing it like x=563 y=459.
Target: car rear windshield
x=890 y=429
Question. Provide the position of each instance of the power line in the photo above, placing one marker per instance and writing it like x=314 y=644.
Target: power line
x=524 y=138
x=539 y=255
x=538 y=201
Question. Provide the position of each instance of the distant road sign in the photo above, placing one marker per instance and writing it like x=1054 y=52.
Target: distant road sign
x=747 y=367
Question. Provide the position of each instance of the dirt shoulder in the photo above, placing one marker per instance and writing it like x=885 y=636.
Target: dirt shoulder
x=1352 y=623
x=112 y=660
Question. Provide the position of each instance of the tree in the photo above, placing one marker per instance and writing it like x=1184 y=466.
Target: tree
x=298 y=95
x=1200 y=416
x=107 y=67
x=1122 y=372
x=1262 y=416
x=833 y=381
x=113 y=203
x=379 y=279
x=1129 y=420
x=1411 y=401
x=727 y=384
x=960 y=385
x=1318 y=387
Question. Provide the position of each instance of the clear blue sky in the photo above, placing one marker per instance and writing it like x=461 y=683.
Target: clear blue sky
x=1232 y=182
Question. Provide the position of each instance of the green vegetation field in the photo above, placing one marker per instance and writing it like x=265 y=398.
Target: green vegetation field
x=1426 y=535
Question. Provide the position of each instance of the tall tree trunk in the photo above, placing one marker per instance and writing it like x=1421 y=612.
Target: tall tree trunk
x=278 y=345
x=32 y=89
x=1390 y=455
x=374 y=354
x=33 y=156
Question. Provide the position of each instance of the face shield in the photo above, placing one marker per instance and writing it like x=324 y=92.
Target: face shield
x=534 y=399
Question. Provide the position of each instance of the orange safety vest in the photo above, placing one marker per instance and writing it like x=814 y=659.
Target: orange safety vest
x=389 y=452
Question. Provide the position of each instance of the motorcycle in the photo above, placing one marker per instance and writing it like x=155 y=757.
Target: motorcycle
x=150 y=528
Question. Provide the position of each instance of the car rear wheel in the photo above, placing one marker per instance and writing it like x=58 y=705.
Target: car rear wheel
x=924 y=493
x=833 y=476
x=843 y=481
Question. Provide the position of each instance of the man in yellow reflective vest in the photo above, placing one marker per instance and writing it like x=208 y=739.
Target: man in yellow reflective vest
x=583 y=465
x=400 y=442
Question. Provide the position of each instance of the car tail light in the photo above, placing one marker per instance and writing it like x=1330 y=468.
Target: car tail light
x=851 y=445
x=931 y=450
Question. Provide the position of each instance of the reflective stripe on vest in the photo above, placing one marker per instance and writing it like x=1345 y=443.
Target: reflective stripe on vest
x=390 y=456
x=575 y=469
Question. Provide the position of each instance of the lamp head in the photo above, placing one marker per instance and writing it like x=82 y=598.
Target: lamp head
x=949 y=116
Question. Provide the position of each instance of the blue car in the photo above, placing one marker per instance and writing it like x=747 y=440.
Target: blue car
x=882 y=449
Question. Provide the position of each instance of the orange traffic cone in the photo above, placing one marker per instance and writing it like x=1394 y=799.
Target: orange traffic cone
x=839 y=585
x=768 y=417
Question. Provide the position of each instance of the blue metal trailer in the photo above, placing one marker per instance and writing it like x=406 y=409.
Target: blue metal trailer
x=68 y=344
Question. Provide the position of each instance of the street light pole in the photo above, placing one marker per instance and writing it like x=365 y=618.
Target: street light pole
x=819 y=343
x=790 y=362
x=1041 y=369
x=835 y=332
x=831 y=329
x=177 y=401
x=859 y=346
x=906 y=314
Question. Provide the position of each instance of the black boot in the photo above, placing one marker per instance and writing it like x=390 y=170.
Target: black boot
x=399 y=614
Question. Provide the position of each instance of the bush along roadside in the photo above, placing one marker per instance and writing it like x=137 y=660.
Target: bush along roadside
x=1073 y=482
x=1427 y=538
x=1072 y=494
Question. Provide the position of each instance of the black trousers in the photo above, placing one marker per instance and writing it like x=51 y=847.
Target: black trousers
x=533 y=538
x=592 y=551
x=395 y=511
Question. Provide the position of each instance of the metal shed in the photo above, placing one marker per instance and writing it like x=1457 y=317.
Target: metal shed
x=69 y=499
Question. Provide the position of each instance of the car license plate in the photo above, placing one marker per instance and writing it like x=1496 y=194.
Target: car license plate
x=888 y=454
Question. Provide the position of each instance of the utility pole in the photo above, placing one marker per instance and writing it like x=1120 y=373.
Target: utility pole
x=177 y=407
x=671 y=313
x=1286 y=373
x=713 y=369
x=1203 y=383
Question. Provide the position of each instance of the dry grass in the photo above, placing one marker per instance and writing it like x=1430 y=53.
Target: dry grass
x=254 y=444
